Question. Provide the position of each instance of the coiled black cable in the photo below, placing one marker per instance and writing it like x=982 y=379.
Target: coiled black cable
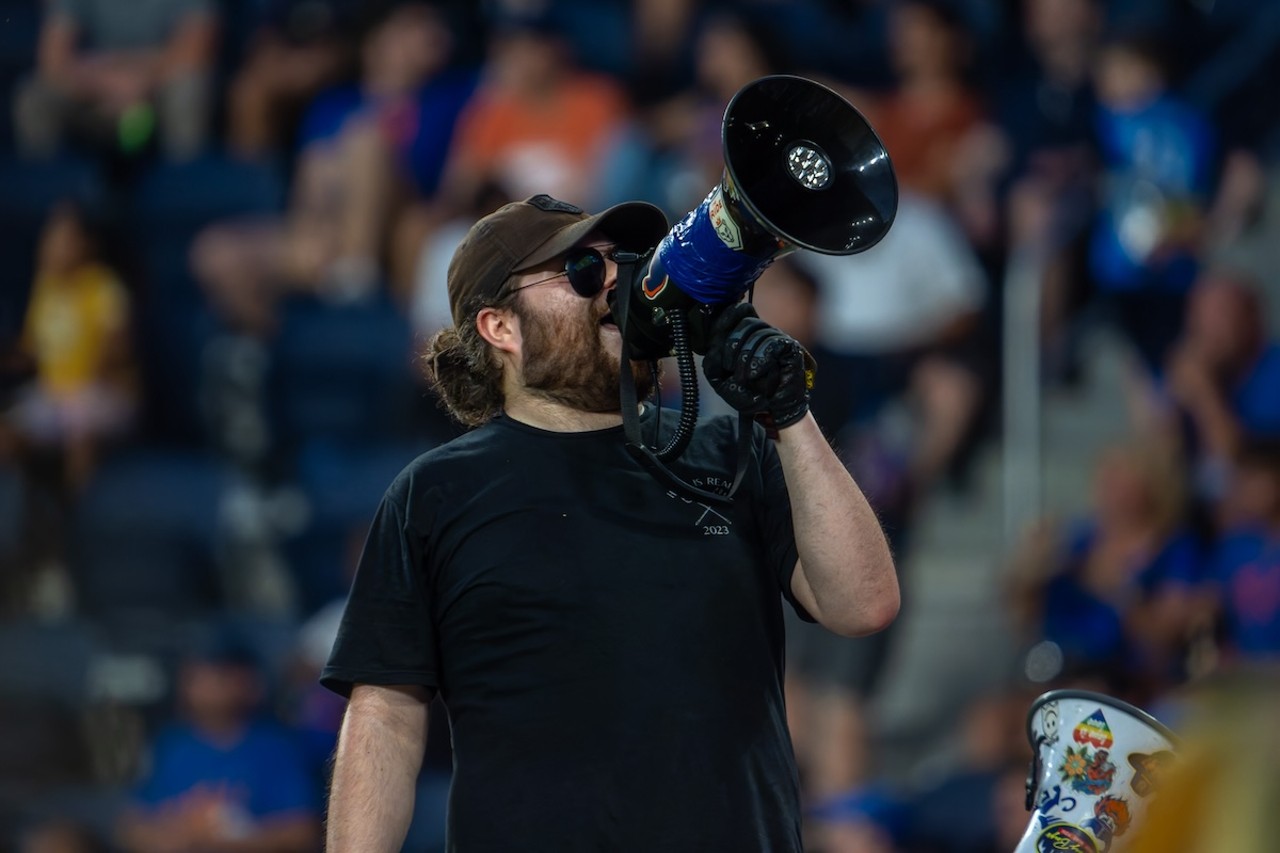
x=677 y=324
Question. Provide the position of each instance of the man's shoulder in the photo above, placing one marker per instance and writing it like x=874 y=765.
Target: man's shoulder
x=469 y=451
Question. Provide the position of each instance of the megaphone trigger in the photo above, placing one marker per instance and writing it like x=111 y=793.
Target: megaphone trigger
x=810 y=369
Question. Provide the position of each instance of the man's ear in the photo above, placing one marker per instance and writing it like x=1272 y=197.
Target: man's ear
x=500 y=328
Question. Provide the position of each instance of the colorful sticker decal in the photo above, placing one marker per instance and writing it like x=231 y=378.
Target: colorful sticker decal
x=1049 y=721
x=1148 y=770
x=1050 y=799
x=1060 y=837
x=1111 y=818
x=653 y=291
x=1088 y=772
x=1094 y=731
x=1099 y=775
x=726 y=229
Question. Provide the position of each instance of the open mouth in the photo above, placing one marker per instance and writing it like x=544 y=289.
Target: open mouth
x=607 y=320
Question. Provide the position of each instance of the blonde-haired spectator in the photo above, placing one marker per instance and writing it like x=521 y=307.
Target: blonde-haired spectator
x=1115 y=590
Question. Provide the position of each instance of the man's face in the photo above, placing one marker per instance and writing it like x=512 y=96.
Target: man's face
x=570 y=346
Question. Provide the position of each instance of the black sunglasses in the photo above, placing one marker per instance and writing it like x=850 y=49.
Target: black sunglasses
x=585 y=269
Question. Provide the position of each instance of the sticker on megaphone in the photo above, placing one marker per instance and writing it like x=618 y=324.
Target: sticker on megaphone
x=1096 y=761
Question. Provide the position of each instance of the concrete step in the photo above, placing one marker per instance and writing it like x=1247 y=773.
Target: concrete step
x=954 y=640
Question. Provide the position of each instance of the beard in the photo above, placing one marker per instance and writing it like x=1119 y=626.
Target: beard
x=565 y=360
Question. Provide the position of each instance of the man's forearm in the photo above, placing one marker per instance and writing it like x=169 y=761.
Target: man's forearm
x=375 y=769
x=846 y=575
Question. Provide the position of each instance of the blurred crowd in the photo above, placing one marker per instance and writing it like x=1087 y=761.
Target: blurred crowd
x=224 y=228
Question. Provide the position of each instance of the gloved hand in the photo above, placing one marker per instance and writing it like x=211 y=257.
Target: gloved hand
x=757 y=369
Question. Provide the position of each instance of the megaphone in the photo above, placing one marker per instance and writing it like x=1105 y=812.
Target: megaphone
x=802 y=170
x=1097 y=763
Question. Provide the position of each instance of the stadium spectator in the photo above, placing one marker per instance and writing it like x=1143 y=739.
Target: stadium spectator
x=366 y=151
x=676 y=158
x=222 y=776
x=121 y=71
x=1244 y=576
x=1046 y=101
x=538 y=123
x=933 y=121
x=77 y=340
x=1114 y=591
x=1223 y=375
x=1159 y=157
x=297 y=49
x=1046 y=107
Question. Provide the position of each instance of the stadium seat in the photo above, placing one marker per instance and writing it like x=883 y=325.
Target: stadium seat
x=19 y=35
x=145 y=534
x=45 y=661
x=343 y=484
x=46 y=684
x=178 y=199
x=173 y=202
x=341 y=372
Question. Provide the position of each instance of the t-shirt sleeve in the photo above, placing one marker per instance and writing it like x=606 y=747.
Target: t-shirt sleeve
x=387 y=635
x=775 y=523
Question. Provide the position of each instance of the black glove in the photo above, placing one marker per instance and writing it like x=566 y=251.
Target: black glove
x=757 y=369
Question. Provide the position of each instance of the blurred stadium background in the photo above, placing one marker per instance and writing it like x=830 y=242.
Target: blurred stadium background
x=224 y=226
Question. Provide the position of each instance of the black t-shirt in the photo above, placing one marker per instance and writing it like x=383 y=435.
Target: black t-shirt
x=610 y=652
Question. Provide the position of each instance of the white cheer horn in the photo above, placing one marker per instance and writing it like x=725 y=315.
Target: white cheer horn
x=1097 y=761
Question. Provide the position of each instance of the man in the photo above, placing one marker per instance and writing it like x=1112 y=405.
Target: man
x=223 y=776
x=609 y=650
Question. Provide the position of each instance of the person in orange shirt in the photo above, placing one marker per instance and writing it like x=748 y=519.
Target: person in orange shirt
x=933 y=121
x=537 y=123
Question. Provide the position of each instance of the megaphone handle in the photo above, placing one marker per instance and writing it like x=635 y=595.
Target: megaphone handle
x=679 y=328
x=644 y=454
x=1033 y=774
x=630 y=404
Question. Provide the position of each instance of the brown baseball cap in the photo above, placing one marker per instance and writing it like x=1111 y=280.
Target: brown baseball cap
x=524 y=234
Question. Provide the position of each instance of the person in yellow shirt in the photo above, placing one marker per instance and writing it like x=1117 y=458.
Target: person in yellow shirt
x=76 y=341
